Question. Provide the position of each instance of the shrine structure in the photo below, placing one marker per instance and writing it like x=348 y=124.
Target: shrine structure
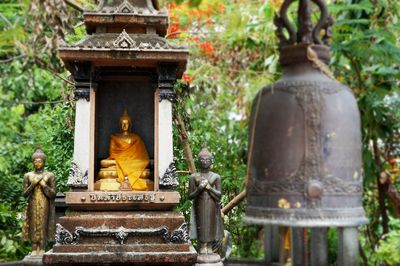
x=124 y=72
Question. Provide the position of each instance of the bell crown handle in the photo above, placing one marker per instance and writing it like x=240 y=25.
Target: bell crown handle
x=306 y=32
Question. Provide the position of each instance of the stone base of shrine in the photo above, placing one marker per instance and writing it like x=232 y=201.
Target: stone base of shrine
x=125 y=258
x=32 y=260
x=122 y=238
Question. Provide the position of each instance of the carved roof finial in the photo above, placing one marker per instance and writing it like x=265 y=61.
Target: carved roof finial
x=126 y=7
x=124 y=41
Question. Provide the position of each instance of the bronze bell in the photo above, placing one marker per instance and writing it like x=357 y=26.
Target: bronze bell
x=305 y=141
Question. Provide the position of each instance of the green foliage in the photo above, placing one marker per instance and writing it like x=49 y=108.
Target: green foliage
x=333 y=245
x=10 y=22
x=11 y=247
x=365 y=56
x=34 y=108
x=29 y=118
x=389 y=249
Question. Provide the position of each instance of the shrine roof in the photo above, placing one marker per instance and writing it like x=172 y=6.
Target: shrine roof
x=111 y=15
x=124 y=42
x=113 y=49
x=141 y=43
x=128 y=7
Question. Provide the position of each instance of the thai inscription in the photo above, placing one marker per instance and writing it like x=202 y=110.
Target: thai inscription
x=121 y=197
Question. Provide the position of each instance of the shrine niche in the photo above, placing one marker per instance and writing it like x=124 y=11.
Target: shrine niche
x=123 y=179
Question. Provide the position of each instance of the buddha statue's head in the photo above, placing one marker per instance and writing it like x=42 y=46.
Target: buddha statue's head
x=38 y=159
x=125 y=122
x=205 y=159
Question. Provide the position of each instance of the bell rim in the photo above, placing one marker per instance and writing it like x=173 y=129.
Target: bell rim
x=348 y=222
x=307 y=217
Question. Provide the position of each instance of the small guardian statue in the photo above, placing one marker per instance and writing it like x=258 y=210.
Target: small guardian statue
x=206 y=222
x=40 y=191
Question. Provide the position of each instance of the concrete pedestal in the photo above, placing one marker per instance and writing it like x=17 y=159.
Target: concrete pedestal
x=209 y=260
x=32 y=260
x=122 y=238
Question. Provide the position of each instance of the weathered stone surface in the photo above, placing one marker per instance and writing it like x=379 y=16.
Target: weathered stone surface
x=170 y=246
x=209 y=260
x=122 y=248
x=134 y=219
x=122 y=258
x=31 y=260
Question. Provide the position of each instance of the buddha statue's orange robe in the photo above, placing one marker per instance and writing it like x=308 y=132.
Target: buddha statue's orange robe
x=131 y=159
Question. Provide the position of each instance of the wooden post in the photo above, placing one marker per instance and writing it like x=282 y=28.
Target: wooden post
x=319 y=246
x=297 y=246
x=271 y=244
x=348 y=246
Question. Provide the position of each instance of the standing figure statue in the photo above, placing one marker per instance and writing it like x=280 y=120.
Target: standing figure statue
x=40 y=192
x=205 y=191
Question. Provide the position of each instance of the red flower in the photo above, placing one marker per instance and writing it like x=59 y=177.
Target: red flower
x=194 y=38
x=188 y=78
x=173 y=31
x=207 y=48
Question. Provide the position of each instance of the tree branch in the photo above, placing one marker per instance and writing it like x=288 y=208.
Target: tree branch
x=43 y=64
x=12 y=103
x=382 y=188
x=234 y=202
x=64 y=79
x=183 y=172
x=74 y=5
x=185 y=141
x=362 y=253
x=394 y=195
x=12 y=58
x=6 y=20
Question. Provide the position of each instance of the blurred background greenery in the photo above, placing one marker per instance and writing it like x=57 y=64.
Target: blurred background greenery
x=234 y=53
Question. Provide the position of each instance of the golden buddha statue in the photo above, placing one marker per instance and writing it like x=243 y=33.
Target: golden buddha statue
x=40 y=191
x=125 y=167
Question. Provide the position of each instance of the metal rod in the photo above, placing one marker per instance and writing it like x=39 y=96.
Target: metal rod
x=297 y=246
x=271 y=244
x=348 y=246
x=319 y=246
x=305 y=246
